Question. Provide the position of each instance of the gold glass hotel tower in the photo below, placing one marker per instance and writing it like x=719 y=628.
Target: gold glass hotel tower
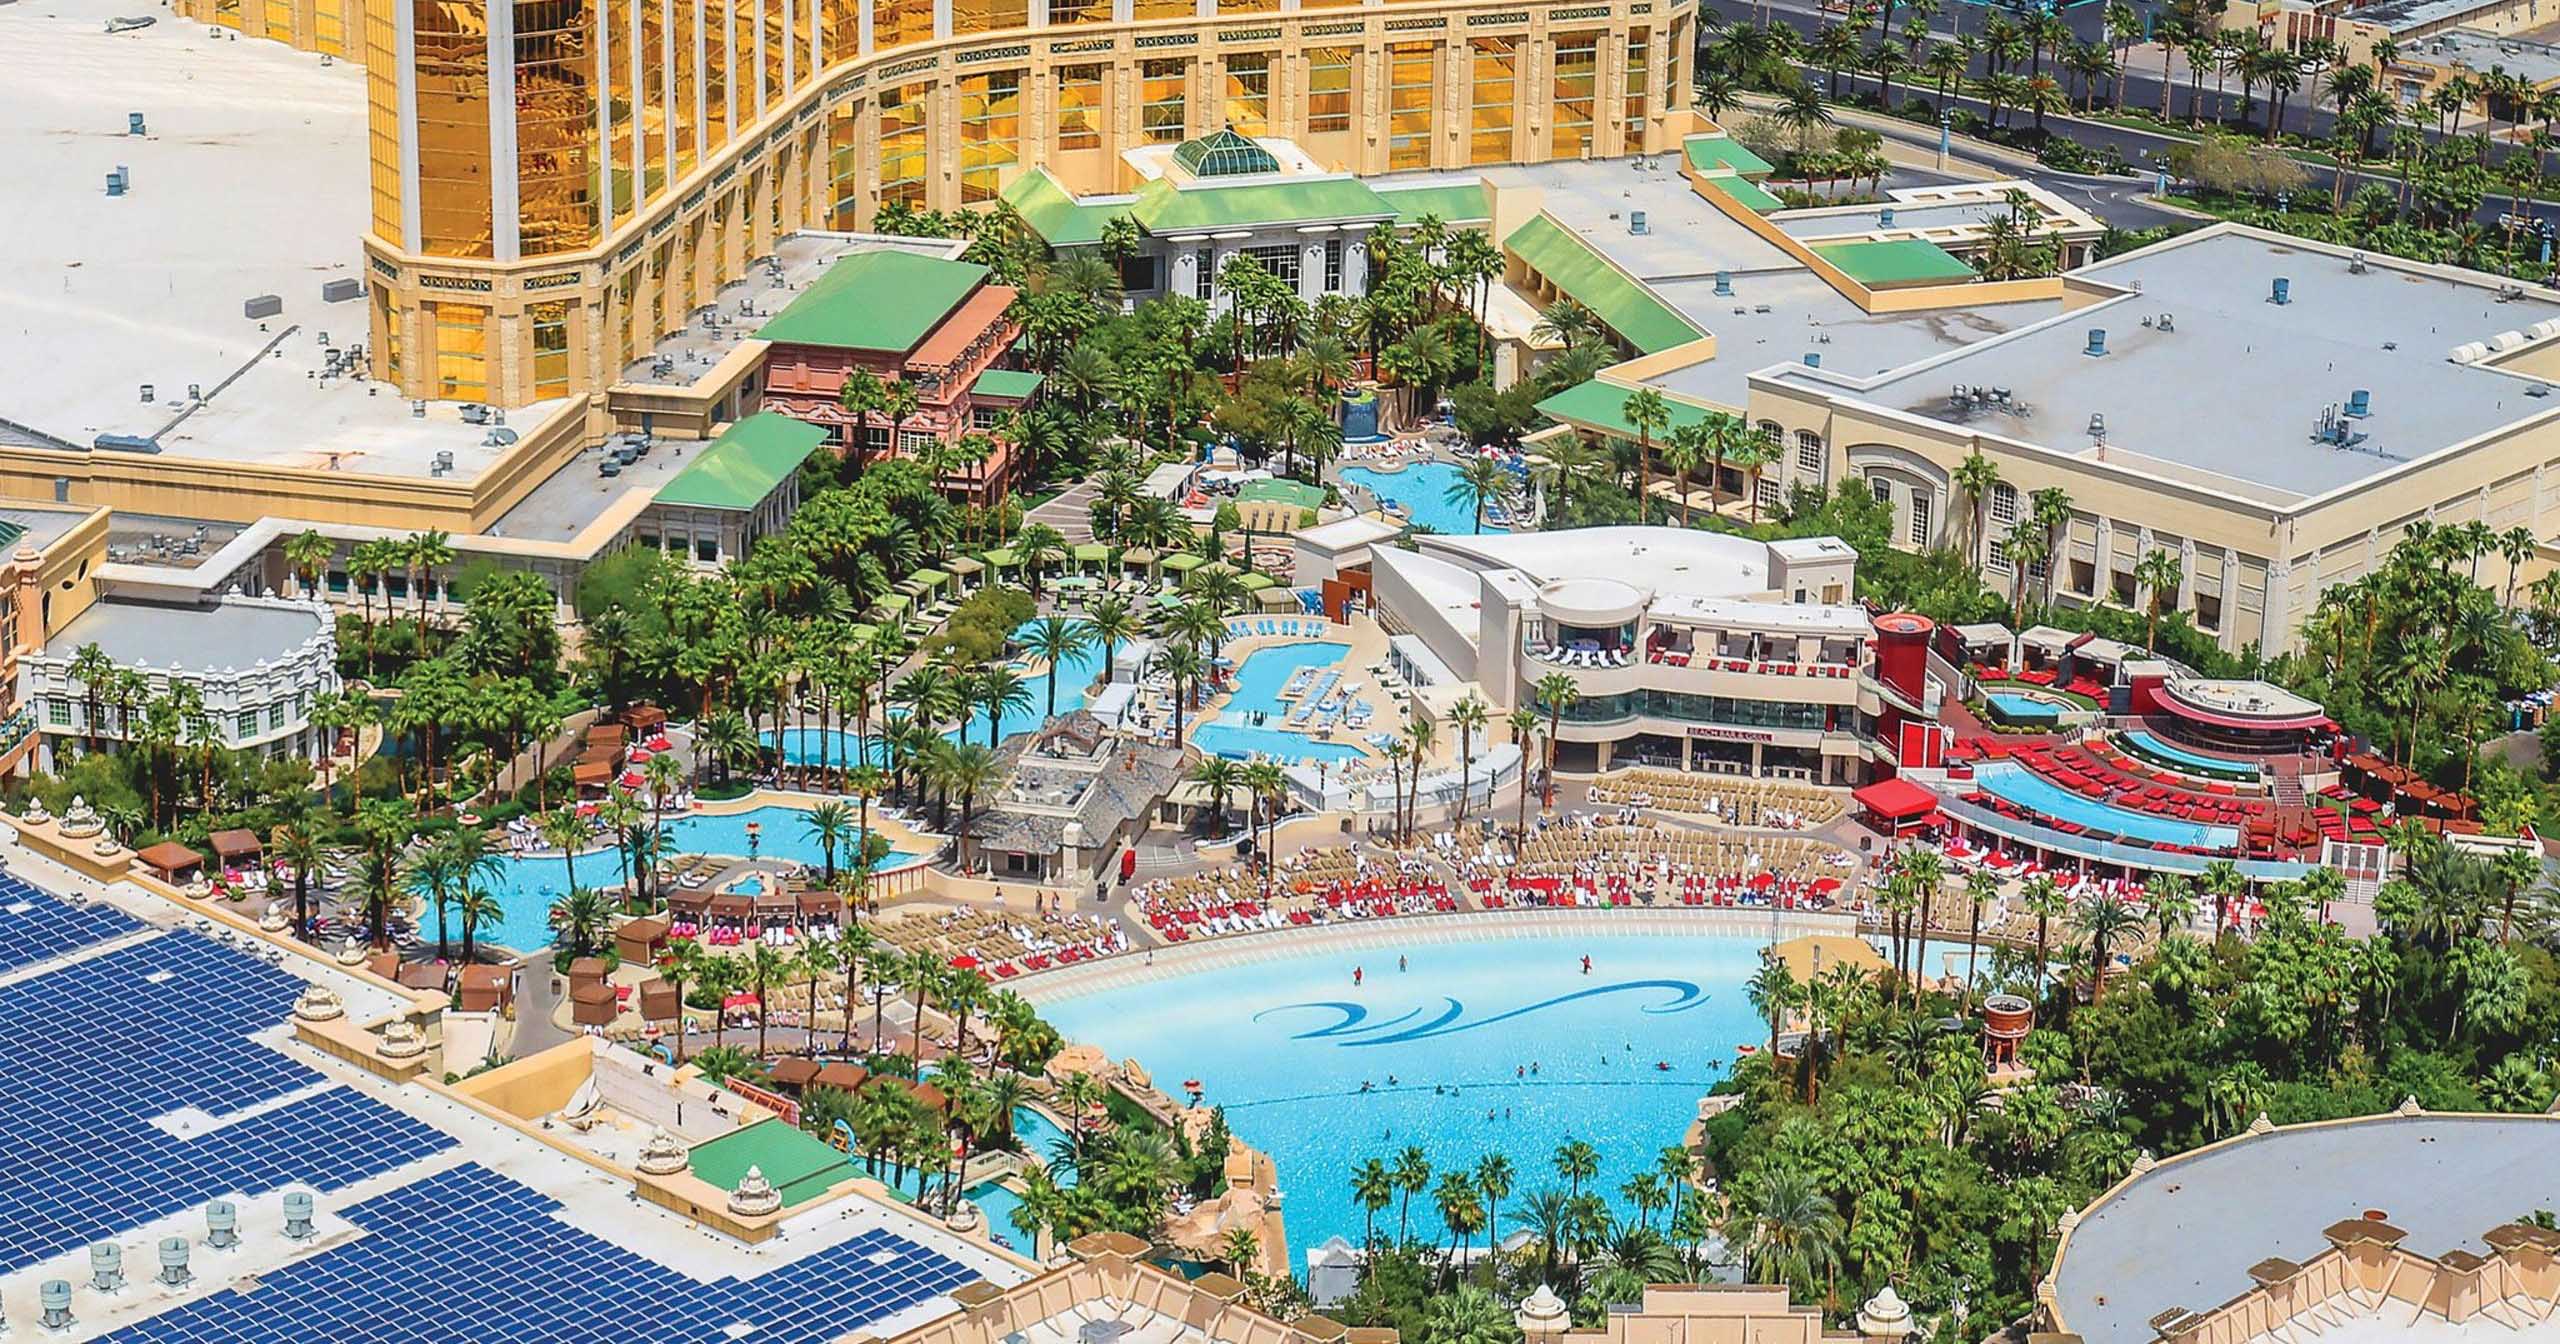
x=558 y=183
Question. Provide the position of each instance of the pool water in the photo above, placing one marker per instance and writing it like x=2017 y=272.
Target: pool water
x=2150 y=744
x=1285 y=1045
x=2035 y=793
x=1234 y=734
x=1422 y=490
x=527 y=884
x=2014 y=710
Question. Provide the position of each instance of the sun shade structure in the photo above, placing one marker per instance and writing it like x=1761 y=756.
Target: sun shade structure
x=1896 y=800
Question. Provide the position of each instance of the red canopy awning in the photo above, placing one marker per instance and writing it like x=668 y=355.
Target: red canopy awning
x=1896 y=799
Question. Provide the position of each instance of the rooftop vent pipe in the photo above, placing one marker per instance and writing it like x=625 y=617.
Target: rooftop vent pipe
x=2360 y=402
x=221 y=1225
x=1813 y=359
x=1724 y=284
x=54 y=1300
x=106 y=1267
x=173 y=1261
x=2097 y=341
x=2283 y=292
x=297 y=1215
x=133 y=123
x=1884 y=217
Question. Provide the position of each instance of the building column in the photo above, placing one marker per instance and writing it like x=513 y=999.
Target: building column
x=1311 y=267
x=1688 y=753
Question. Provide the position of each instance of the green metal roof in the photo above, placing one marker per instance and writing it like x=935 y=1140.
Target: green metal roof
x=1748 y=192
x=1464 y=203
x=1015 y=384
x=1183 y=562
x=1723 y=151
x=1092 y=551
x=886 y=300
x=1223 y=153
x=742 y=466
x=1300 y=493
x=1054 y=213
x=800 y=1166
x=1255 y=581
x=1631 y=310
x=1902 y=261
x=1003 y=557
x=1166 y=208
x=1602 y=406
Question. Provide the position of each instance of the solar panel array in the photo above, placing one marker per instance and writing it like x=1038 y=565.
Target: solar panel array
x=101 y=1048
x=36 y=926
x=468 y=1254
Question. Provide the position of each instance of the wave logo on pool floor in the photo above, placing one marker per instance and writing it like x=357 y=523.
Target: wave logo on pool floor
x=1355 y=1027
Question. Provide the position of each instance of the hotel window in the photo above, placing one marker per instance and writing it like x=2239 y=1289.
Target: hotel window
x=461 y=351
x=246 y=723
x=1280 y=259
x=1919 y=517
x=1065 y=13
x=329 y=28
x=896 y=23
x=550 y=350
x=57 y=713
x=2004 y=505
x=454 y=169
x=1808 y=450
x=1160 y=98
x=844 y=163
x=1409 y=104
x=1332 y=265
x=1329 y=89
x=386 y=331
x=382 y=118
x=1639 y=84
x=1765 y=491
x=1249 y=92
x=903 y=144
x=990 y=132
x=1204 y=278
x=1080 y=107
x=1881 y=488
x=987 y=16
x=558 y=154
x=1143 y=10
x=1577 y=86
x=275 y=717
x=1497 y=67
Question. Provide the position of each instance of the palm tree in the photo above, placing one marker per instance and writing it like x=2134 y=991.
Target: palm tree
x=307 y=553
x=1647 y=413
x=1111 y=622
x=1576 y=1161
x=2223 y=882
x=830 y=823
x=2045 y=900
x=1523 y=721
x=1493 y=1180
x=1773 y=990
x=1412 y=1175
x=1792 y=1232
x=579 y=921
x=2102 y=915
x=2158 y=573
x=1055 y=640
x=1978 y=476
x=1217 y=777
x=767 y=968
x=1555 y=692
x=1468 y=716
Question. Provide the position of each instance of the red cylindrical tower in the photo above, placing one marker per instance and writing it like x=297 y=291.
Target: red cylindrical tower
x=1902 y=653
x=2006 y=1020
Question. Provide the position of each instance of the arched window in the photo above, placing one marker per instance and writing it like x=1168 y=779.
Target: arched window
x=1809 y=458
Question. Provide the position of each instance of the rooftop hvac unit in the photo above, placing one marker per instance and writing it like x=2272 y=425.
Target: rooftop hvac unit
x=340 y=290
x=262 y=306
x=473 y=413
x=133 y=123
x=1636 y=223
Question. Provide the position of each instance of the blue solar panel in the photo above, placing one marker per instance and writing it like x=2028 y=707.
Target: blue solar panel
x=37 y=926
x=103 y=1047
x=468 y=1254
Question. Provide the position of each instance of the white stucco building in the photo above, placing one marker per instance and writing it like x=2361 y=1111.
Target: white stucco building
x=260 y=664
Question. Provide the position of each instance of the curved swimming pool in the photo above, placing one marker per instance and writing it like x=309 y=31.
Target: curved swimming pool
x=1324 y=1074
x=2035 y=793
x=1422 y=490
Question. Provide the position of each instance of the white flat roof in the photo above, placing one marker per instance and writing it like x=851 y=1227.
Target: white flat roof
x=1791 y=618
x=1342 y=534
x=250 y=181
x=1671 y=561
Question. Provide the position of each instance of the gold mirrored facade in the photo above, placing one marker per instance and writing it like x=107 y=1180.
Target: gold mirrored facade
x=650 y=150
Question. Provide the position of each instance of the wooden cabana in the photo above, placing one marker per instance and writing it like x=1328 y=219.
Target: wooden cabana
x=171 y=861
x=658 y=1001
x=594 y=1005
x=639 y=941
x=585 y=971
x=487 y=989
x=235 y=848
x=845 y=1077
x=794 y=1072
x=422 y=975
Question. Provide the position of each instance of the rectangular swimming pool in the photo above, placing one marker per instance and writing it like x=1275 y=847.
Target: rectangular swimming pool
x=2012 y=710
x=2035 y=793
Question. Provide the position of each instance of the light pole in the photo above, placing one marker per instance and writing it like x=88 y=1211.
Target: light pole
x=1946 y=131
